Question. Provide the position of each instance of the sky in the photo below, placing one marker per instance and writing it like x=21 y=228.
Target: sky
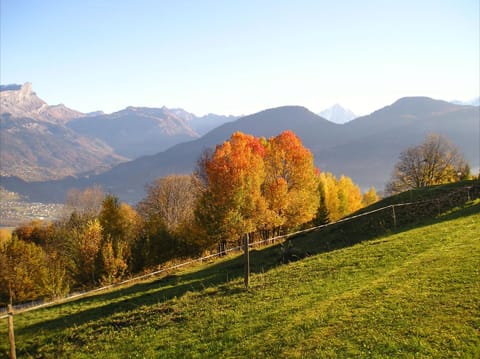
x=240 y=56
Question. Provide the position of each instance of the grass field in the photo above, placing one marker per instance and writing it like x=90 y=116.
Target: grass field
x=414 y=293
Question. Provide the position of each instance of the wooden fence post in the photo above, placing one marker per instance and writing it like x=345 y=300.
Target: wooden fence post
x=394 y=217
x=247 y=260
x=11 y=335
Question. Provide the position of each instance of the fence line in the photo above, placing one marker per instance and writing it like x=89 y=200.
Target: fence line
x=20 y=309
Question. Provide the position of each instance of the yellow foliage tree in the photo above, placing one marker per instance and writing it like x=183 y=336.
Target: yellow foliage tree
x=23 y=269
x=338 y=198
x=349 y=195
x=329 y=201
x=291 y=181
x=370 y=197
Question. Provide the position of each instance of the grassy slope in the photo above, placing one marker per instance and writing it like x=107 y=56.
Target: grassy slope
x=413 y=293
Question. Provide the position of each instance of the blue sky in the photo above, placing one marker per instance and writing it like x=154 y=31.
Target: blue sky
x=240 y=56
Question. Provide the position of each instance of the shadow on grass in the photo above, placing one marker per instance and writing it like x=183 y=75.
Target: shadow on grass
x=218 y=274
x=156 y=292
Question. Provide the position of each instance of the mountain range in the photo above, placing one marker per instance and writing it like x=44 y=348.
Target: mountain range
x=42 y=142
x=365 y=148
x=35 y=143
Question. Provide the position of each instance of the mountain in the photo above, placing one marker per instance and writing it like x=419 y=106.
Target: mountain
x=21 y=102
x=128 y=180
x=36 y=145
x=34 y=135
x=209 y=122
x=140 y=131
x=136 y=131
x=375 y=141
x=365 y=149
x=338 y=114
x=203 y=124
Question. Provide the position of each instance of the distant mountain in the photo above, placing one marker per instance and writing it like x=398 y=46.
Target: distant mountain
x=375 y=141
x=36 y=145
x=203 y=124
x=21 y=102
x=140 y=131
x=365 y=149
x=209 y=122
x=128 y=180
x=136 y=131
x=31 y=144
x=338 y=114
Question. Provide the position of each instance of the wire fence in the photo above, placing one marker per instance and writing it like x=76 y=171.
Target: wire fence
x=398 y=214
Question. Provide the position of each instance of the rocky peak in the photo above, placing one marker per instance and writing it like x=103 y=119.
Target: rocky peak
x=338 y=114
x=22 y=102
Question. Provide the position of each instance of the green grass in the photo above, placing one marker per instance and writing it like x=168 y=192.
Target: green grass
x=424 y=193
x=414 y=293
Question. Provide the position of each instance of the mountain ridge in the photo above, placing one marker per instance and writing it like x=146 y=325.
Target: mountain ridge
x=20 y=101
x=136 y=131
x=33 y=134
x=365 y=149
x=36 y=144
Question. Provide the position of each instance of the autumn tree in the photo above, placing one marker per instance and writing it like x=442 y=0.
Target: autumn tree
x=48 y=236
x=171 y=199
x=254 y=185
x=349 y=196
x=291 y=181
x=39 y=232
x=86 y=242
x=119 y=227
x=5 y=236
x=23 y=270
x=433 y=162
x=229 y=205
x=329 y=209
x=339 y=197
x=369 y=197
x=85 y=202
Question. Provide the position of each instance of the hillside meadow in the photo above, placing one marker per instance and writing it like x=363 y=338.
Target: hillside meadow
x=413 y=293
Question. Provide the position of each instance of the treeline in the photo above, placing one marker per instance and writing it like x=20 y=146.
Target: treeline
x=247 y=188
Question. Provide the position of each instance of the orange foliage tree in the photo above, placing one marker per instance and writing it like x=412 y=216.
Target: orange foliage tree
x=256 y=185
x=232 y=202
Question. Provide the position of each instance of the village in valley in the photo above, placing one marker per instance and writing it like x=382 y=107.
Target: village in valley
x=15 y=210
